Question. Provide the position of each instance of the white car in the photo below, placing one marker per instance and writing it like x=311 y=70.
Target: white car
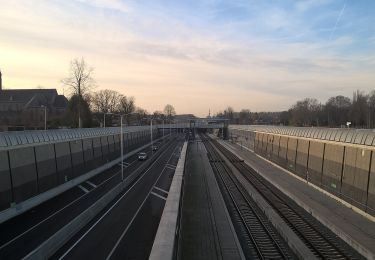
x=142 y=156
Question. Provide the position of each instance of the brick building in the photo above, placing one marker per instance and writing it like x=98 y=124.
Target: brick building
x=24 y=108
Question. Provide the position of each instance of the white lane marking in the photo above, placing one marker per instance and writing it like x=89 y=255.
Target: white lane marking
x=159 y=196
x=124 y=164
x=106 y=213
x=166 y=192
x=91 y=184
x=171 y=166
x=57 y=212
x=83 y=188
x=126 y=230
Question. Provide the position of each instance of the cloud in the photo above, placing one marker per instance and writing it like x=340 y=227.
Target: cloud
x=262 y=61
x=117 y=5
x=306 y=5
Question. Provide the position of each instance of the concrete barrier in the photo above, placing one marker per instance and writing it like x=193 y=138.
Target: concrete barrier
x=165 y=239
x=371 y=189
x=332 y=168
x=355 y=178
x=46 y=165
x=63 y=162
x=24 y=175
x=36 y=200
x=76 y=152
x=5 y=182
x=88 y=153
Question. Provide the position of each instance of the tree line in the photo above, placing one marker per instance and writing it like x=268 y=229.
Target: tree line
x=337 y=111
x=88 y=108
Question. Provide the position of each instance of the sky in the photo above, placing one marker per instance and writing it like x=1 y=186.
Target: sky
x=196 y=55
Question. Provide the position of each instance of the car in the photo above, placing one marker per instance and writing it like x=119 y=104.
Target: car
x=142 y=156
x=154 y=148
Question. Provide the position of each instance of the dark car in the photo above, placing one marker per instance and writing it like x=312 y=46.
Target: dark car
x=142 y=156
x=154 y=148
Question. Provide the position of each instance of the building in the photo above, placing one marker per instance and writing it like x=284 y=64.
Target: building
x=22 y=109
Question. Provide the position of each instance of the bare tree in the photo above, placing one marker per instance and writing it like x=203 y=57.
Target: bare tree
x=79 y=81
x=126 y=107
x=245 y=116
x=371 y=109
x=106 y=101
x=169 y=111
x=141 y=114
x=337 y=109
x=229 y=113
x=306 y=112
x=358 y=112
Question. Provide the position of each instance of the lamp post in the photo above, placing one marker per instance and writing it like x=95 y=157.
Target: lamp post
x=122 y=149
x=152 y=150
x=122 y=144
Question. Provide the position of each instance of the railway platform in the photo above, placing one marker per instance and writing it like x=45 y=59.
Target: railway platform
x=355 y=229
x=206 y=228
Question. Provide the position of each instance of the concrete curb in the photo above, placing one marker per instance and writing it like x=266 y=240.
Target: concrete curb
x=39 y=199
x=165 y=239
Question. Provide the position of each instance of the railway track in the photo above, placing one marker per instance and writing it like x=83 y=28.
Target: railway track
x=323 y=243
x=258 y=237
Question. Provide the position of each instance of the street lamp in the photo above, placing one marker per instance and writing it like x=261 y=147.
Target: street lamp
x=152 y=150
x=170 y=131
x=122 y=148
x=122 y=144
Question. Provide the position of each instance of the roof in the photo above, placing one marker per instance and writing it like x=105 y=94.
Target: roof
x=25 y=95
x=61 y=101
x=343 y=135
x=33 y=97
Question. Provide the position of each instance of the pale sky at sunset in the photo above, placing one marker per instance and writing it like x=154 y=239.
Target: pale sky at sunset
x=195 y=55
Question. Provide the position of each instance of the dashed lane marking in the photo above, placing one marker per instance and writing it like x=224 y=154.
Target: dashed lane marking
x=157 y=188
x=83 y=188
x=91 y=184
x=157 y=195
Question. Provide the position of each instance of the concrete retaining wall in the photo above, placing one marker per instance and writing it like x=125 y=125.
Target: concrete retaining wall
x=5 y=181
x=345 y=170
x=23 y=172
x=46 y=165
x=31 y=170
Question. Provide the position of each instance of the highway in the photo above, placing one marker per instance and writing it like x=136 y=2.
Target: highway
x=127 y=227
x=24 y=233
